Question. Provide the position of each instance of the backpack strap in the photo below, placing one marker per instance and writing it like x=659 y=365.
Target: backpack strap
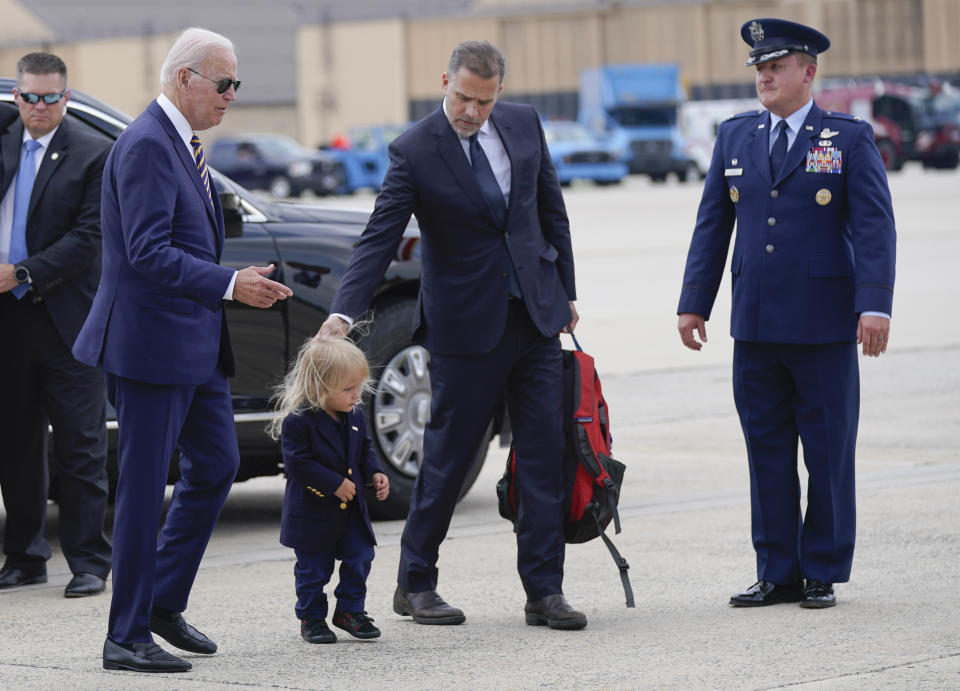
x=621 y=563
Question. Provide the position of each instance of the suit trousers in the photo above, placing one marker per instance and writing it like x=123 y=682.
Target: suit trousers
x=812 y=392
x=154 y=421
x=43 y=383
x=313 y=570
x=527 y=367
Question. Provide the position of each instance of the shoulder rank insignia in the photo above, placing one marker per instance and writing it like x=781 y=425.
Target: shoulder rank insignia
x=827 y=133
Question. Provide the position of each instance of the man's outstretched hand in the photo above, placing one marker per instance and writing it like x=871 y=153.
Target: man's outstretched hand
x=253 y=288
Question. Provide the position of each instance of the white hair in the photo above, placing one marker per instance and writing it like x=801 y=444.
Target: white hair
x=190 y=50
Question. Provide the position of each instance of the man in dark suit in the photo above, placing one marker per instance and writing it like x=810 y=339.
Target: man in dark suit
x=497 y=287
x=49 y=269
x=157 y=327
x=812 y=275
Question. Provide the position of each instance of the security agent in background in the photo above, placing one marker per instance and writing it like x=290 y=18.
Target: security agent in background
x=812 y=274
x=49 y=270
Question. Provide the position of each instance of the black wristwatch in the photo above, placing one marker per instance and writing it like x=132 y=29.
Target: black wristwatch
x=21 y=274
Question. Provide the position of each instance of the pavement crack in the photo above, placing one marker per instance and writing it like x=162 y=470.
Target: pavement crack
x=860 y=673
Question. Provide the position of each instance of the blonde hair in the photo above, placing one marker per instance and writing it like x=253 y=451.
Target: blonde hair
x=323 y=365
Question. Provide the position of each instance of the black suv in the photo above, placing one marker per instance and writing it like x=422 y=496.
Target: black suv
x=310 y=245
x=276 y=163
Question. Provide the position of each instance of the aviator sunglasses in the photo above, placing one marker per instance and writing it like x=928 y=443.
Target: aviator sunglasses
x=223 y=84
x=49 y=99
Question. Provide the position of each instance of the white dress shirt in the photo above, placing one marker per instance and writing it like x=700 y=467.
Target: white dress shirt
x=6 y=206
x=186 y=134
x=496 y=154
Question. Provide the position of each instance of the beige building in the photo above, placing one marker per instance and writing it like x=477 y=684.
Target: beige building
x=389 y=70
x=318 y=67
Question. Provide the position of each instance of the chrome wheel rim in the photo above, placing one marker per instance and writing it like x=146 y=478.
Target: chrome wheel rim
x=401 y=408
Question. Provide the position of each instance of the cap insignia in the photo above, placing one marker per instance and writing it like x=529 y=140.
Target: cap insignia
x=756 y=31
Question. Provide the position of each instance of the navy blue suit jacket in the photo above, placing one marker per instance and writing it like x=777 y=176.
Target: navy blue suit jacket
x=158 y=313
x=464 y=279
x=813 y=248
x=63 y=220
x=316 y=463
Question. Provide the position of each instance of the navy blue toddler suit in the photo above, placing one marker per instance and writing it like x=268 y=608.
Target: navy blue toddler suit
x=815 y=247
x=318 y=453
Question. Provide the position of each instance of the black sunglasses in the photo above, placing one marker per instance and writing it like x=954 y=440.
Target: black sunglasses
x=223 y=85
x=49 y=99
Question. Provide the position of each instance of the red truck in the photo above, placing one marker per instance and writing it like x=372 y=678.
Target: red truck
x=910 y=123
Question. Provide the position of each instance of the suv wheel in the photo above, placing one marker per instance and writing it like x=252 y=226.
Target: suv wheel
x=399 y=407
x=280 y=187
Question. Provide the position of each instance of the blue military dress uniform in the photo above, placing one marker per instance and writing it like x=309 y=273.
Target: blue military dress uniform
x=318 y=453
x=814 y=248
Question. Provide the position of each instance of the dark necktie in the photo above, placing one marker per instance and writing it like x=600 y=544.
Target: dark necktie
x=26 y=173
x=779 y=151
x=494 y=196
x=487 y=180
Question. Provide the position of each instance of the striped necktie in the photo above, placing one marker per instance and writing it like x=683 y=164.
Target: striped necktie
x=201 y=164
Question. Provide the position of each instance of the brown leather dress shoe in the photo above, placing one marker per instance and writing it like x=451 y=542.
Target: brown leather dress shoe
x=818 y=595
x=764 y=593
x=554 y=611
x=426 y=607
x=84 y=585
x=11 y=576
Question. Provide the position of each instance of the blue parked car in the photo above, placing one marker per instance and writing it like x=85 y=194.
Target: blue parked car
x=363 y=154
x=577 y=154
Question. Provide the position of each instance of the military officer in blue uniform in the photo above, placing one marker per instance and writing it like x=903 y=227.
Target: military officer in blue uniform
x=812 y=273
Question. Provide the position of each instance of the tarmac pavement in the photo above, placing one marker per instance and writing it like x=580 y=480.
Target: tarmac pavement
x=685 y=512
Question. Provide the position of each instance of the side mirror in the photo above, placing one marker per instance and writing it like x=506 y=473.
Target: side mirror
x=232 y=214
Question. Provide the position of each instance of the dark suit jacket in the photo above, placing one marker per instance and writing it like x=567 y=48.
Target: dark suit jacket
x=158 y=313
x=63 y=221
x=314 y=457
x=464 y=279
x=813 y=249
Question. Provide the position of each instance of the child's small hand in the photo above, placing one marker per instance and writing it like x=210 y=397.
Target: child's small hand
x=346 y=491
x=381 y=483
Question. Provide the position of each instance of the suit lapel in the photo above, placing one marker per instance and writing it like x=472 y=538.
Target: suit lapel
x=56 y=152
x=805 y=139
x=760 y=147
x=328 y=429
x=187 y=160
x=11 y=141
x=451 y=151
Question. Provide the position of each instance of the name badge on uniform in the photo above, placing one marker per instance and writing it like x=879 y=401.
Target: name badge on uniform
x=732 y=172
x=825 y=159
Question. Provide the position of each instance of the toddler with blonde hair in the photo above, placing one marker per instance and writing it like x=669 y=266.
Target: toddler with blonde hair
x=328 y=459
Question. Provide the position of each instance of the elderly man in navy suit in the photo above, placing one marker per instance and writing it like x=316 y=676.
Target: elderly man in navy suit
x=496 y=289
x=157 y=327
x=812 y=274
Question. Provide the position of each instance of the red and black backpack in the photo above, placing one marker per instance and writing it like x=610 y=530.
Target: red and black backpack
x=592 y=477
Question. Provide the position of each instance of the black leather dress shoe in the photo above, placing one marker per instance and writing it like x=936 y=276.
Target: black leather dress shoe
x=11 y=576
x=176 y=631
x=83 y=585
x=316 y=631
x=818 y=595
x=763 y=593
x=426 y=607
x=141 y=657
x=357 y=624
x=554 y=611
